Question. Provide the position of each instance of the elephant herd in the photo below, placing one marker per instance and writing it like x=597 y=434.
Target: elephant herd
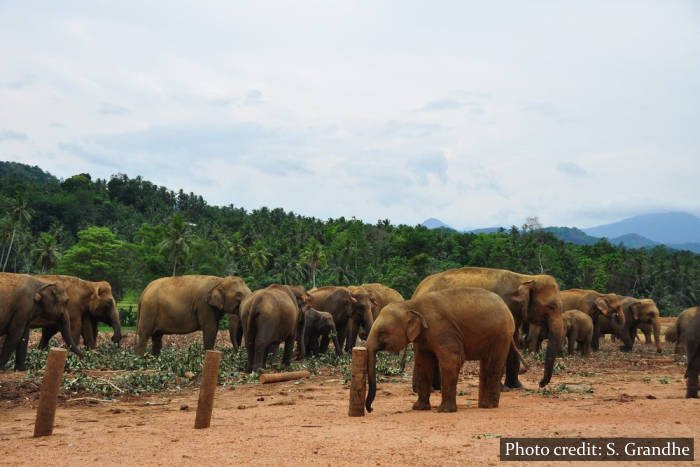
x=453 y=316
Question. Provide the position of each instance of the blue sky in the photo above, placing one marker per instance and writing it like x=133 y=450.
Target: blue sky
x=477 y=113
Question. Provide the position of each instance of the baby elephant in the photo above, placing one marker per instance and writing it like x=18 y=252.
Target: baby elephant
x=578 y=327
x=446 y=328
x=319 y=325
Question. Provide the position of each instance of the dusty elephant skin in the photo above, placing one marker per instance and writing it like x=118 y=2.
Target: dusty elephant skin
x=347 y=309
x=692 y=346
x=319 y=327
x=25 y=299
x=446 y=328
x=184 y=304
x=269 y=317
x=578 y=328
x=89 y=303
x=381 y=296
x=596 y=304
x=637 y=312
x=531 y=298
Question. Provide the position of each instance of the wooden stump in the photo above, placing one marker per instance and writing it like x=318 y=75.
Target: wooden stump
x=50 y=385
x=207 y=388
x=279 y=377
x=358 y=381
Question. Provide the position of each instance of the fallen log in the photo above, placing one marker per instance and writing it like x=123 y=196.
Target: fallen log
x=287 y=376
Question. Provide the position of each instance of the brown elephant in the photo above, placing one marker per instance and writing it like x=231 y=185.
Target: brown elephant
x=184 y=304
x=360 y=327
x=25 y=299
x=578 y=327
x=381 y=296
x=319 y=325
x=446 y=327
x=346 y=308
x=679 y=330
x=534 y=298
x=636 y=312
x=596 y=304
x=269 y=317
x=89 y=303
x=692 y=348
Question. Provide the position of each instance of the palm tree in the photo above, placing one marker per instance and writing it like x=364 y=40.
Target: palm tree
x=177 y=241
x=46 y=252
x=259 y=255
x=314 y=257
x=19 y=214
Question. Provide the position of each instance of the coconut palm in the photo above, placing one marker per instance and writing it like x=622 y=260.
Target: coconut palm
x=46 y=251
x=19 y=215
x=176 y=244
x=313 y=256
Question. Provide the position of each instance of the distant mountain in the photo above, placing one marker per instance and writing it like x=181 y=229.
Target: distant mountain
x=485 y=230
x=572 y=234
x=633 y=241
x=433 y=223
x=24 y=171
x=669 y=228
x=694 y=247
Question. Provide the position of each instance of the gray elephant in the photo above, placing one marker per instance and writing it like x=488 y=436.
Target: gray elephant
x=25 y=299
x=319 y=330
x=692 y=347
x=636 y=312
x=269 y=317
x=578 y=328
x=346 y=308
x=595 y=305
x=681 y=328
x=184 y=304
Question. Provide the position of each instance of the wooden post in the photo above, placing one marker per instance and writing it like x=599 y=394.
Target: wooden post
x=50 y=385
x=358 y=381
x=207 y=388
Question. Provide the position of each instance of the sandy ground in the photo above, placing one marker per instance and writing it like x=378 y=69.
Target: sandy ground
x=306 y=422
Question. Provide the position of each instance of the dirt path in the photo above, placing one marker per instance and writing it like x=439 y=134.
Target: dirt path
x=306 y=423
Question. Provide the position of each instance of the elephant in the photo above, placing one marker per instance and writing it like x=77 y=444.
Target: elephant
x=269 y=317
x=25 y=299
x=345 y=308
x=319 y=325
x=446 y=327
x=184 y=304
x=532 y=298
x=636 y=312
x=235 y=331
x=692 y=347
x=381 y=296
x=680 y=329
x=360 y=327
x=578 y=327
x=89 y=302
x=596 y=304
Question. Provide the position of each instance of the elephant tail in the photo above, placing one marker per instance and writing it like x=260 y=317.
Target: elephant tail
x=249 y=326
x=514 y=347
x=693 y=353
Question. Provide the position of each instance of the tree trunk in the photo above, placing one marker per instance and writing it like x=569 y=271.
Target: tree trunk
x=9 y=249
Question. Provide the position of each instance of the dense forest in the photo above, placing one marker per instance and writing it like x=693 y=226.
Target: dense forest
x=129 y=231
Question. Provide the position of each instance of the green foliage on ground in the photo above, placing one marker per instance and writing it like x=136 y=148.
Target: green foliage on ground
x=130 y=231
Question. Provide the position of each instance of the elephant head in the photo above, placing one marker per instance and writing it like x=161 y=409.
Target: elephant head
x=542 y=306
x=395 y=327
x=362 y=310
x=228 y=294
x=618 y=320
x=51 y=308
x=103 y=307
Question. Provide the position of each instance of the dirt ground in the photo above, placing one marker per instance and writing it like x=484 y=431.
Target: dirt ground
x=299 y=423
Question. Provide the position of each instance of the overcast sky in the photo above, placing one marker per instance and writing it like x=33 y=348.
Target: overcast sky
x=477 y=113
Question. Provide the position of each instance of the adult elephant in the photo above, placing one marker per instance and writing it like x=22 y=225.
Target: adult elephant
x=534 y=298
x=446 y=327
x=381 y=296
x=636 y=312
x=681 y=328
x=596 y=304
x=25 y=299
x=692 y=346
x=184 y=304
x=362 y=311
x=345 y=308
x=319 y=325
x=89 y=303
x=269 y=317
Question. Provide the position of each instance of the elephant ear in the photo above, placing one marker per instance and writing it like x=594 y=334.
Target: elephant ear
x=522 y=295
x=416 y=323
x=216 y=298
x=601 y=305
x=635 y=309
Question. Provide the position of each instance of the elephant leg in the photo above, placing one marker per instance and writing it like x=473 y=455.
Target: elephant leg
x=512 y=370
x=288 y=351
x=21 y=351
x=209 y=338
x=423 y=372
x=693 y=368
x=323 y=347
x=250 y=350
x=490 y=381
x=571 y=344
x=157 y=346
x=235 y=331
x=259 y=354
x=47 y=332
x=595 y=342
x=342 y=334
x=450 y=365
x=88 y=331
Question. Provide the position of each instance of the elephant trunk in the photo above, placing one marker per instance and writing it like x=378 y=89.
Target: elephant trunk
x=113 y=318
x=556 y=334
x=68 y=336
x=371 y=375
x=656 y=325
